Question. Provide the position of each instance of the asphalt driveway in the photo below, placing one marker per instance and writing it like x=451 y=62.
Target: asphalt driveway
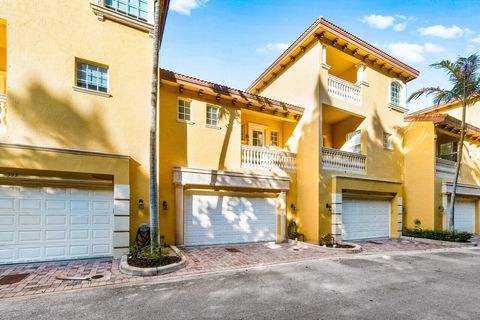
x=415 y=285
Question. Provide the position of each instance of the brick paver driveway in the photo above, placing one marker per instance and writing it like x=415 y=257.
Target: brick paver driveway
x=42 y=276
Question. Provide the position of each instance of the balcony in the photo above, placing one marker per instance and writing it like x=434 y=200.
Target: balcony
x=445 y=167
x=344 y=90
x=338 y=160
x=267 y=159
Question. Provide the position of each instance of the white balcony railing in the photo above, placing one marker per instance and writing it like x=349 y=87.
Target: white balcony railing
x=338 y=160
x=344 y=90
x=445 y=167
x=268 y=159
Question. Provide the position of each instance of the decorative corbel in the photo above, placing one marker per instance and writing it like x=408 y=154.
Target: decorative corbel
x=181 y=88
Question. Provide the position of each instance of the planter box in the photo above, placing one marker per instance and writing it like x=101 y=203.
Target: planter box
x=148 y=272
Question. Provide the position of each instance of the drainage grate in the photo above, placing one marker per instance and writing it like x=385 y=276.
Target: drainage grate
x=13 y=278
x=232 y=250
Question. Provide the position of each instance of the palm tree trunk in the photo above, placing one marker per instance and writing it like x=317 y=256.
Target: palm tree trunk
x=457 y=171
x=153 y=187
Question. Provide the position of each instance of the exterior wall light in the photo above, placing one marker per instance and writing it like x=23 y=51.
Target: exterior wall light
x=165 y=205
x=141 y=205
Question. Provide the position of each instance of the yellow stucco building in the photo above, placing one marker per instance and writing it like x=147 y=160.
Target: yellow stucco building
x=319 y=138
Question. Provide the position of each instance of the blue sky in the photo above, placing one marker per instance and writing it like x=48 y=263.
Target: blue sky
x=231 y=41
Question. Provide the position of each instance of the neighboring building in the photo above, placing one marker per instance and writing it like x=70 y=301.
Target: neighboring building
x=431 y=153
x=74 y=125
x=348 y=141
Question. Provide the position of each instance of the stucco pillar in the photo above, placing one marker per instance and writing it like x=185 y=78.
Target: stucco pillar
x=399 y=216
x=179 y=214
x=446 y=211
x=337 y=216
x=282 y=199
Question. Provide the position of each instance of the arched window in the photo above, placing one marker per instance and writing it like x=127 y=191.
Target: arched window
x=396 y=93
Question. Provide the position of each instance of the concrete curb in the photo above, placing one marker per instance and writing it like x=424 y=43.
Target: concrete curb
x=356 y=247
x=148 y=272
x=447 y=243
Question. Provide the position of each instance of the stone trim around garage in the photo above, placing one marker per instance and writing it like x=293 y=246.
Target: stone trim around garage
x=121 y=216
x=399 y=216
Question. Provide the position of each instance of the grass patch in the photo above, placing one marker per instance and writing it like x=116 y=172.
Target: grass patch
x=443 y=235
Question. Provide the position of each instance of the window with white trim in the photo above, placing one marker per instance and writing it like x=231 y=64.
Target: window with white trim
x=274 y=138
x=448 y=151
x=92 y=77
x=395 y=93
x=212 y=116
x=387 y=141
x=257 y=138
x=354 y=142
x=134 y=8
x=184 y=111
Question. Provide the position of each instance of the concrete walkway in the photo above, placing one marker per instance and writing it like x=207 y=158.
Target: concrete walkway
x=413 y=285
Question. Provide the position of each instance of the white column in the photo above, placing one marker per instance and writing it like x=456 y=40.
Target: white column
x=282 y=199
x=121 y=218
x=399 y=216
x=361 y=75
x=324 y=57
x=179 y=214
x=446 y=211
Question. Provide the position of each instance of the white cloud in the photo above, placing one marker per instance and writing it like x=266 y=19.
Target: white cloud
x=274 y=47
x=444 y=32
x=407 y=51
x=399 y=27
x=475 y=40
x=413 y=52
x=378 y=21
x=403 y=17
x=185 y=7
x=433 y=48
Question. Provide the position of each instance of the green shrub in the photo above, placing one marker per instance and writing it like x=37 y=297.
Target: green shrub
x=146 y=253
x=444 y=235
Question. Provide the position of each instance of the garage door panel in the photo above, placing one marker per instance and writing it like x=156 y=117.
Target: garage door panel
x=220 y=218
x=365 y=218
x=464 y=217
x=41 y=223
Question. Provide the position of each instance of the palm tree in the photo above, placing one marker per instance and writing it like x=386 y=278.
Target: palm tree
x=464 y=76
x=153 y=184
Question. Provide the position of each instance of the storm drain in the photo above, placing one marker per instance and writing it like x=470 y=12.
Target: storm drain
x=13 y=278
x=235 y=250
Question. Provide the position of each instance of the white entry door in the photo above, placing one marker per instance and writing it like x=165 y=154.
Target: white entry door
x=218 y=218
x=365 y=219
x=464 y=217
x=54 y=223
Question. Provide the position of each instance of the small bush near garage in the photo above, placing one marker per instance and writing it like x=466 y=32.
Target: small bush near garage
x=443 y=235
x=143 y=257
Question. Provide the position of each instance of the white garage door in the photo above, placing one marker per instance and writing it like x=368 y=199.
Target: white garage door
x=464 y=217
x=215 y=218
x=52 y=223
x=365 y=219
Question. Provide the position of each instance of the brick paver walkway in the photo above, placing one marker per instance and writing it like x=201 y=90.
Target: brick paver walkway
x=42 y=279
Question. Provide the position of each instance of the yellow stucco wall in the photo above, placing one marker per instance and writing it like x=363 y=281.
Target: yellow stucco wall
x=44 y=40
x=419 y=188
x=300 y=85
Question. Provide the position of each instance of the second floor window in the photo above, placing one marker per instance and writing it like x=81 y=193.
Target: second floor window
x=212 y=116
x=395 y=93
x=354 y=142
x=448 y=151
x=274 y=138
x=184 y=110
x=387 y=141
x=92 y=77
x=134 y=8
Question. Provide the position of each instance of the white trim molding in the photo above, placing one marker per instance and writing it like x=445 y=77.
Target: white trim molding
x=215 y=178
x=462 y=189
